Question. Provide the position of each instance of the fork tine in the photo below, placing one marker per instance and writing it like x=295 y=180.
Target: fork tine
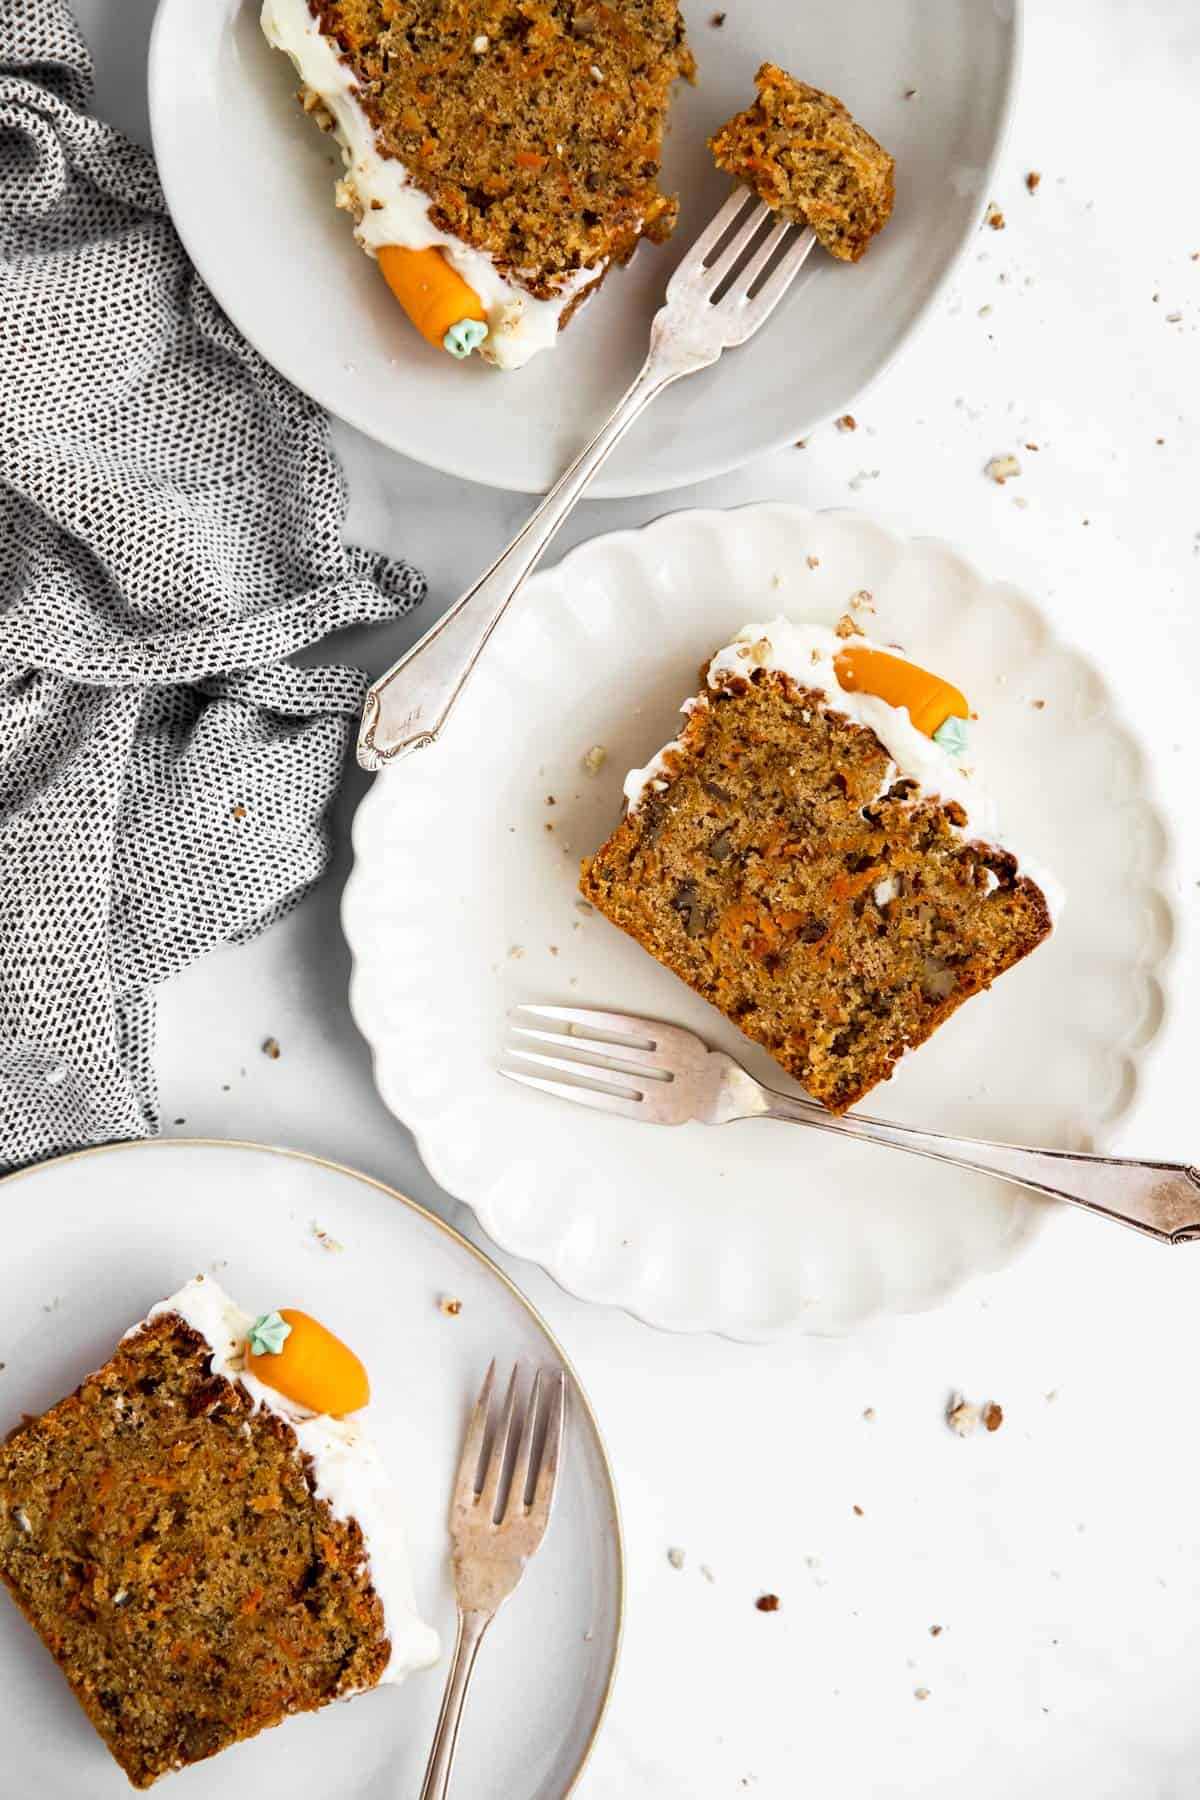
x=713 y=232
x=472 y=1451
x=629 y=1059
x=519 y=1490
x=604 y=1078
x=760 y=308
x=561 y=1090
x=599 y=1021
x=547 y=1475
x=721 y=270
x=499 y=1457
x=758 y=262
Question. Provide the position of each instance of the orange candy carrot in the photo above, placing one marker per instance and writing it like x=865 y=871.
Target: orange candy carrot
x=432 y=293
x=311 y=1366
x=929 y=699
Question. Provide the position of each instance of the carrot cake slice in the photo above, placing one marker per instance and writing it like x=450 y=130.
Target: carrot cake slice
x=804 y=155
x=811 y=856
x=199 y=1539
x=501 y=155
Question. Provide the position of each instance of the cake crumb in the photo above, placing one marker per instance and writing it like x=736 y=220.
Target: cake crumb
x=910 y=93
x=800 y=444
x=270 y=1047
x=1037 y=704
x=237 y=812
x=704 y=1568
x=847 y=422
x=921 y=1693
x=717 y=20
x=1033 y=181
x=846 y=627
x=962 y=1416
x=869 y=1414
x=595 y=759
x=675 y=1557
x=993 y=1416
x=449 y=1306
x=1002 y=468
x=515 y=952
x=814 y=562
x=550 y=800
x=858 y=1512
x=995 y=218
x=768 y=1603
x=327 y=1240
x=935 y=1630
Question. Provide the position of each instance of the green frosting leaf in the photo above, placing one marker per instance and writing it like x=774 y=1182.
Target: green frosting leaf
x=952 y=736
x=464 y=337
x=268 y=1334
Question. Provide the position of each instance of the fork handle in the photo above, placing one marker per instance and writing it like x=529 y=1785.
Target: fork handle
x=407 y=708
x=471 y=1627
x=1161 y=1199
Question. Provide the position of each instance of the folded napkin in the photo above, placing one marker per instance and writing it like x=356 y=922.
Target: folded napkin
x=170 y=532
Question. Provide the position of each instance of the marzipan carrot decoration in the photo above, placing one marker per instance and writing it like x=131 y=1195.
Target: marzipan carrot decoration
x=442 y=306
x=300 y=1358
x=929 y=699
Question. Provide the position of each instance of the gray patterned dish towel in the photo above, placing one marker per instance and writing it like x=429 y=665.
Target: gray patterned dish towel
x=170 y=532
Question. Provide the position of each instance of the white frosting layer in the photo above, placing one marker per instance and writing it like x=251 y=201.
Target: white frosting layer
x=806 y=653
x=345 y=1465
x=393 y=208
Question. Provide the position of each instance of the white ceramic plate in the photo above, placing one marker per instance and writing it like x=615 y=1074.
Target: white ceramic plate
x=91 y=1241
x=463 y=903
x=249 y=181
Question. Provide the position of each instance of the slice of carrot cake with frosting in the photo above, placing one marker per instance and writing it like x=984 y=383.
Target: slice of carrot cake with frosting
x=811 y=856
x=202 y=1537
x=501 y=155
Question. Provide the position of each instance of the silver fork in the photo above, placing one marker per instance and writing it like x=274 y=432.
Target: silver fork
x=664 y=1075
x=498 y=1518
x=728 y=284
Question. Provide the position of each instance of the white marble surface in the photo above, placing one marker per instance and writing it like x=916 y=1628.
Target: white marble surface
x=1060 y=1555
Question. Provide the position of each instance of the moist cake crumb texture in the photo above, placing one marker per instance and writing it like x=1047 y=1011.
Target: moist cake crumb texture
x=805 y=156
x=534 y=126
x=162 y=1536
x=785 y=869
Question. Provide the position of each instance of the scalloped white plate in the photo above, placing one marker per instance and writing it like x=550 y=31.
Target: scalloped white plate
x=463 y=902
x=249 y=181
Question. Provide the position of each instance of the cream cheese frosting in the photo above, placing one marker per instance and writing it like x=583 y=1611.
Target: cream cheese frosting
x=806 y=653
x=391 y=209
x=346 y=1470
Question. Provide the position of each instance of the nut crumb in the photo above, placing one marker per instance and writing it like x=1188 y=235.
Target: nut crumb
x=717 y=20
x=515 y=952
x=993 y=1416
x=550 y=800
x=863 y=601
x=1175 y=318
x=1002 y=468
x=768 y=1603
x=449 y=1306
x=270 y=1047
x=704 y=1568
x=910 y=93
x=814 y=562
x=675 y=1557
x=995 y=218
x=800 y=444
x=935 y=1630
x=1037 y=704
x=858 y=1512
x=595 y=759
x=869 y=1414
x=847 y=422
x=479 y=45
x=846 y=627
x=237 y=812
x=921 y=1693
x=1033 y=181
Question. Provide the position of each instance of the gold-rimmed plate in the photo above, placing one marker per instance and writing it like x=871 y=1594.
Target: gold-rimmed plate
x=91 y=1241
